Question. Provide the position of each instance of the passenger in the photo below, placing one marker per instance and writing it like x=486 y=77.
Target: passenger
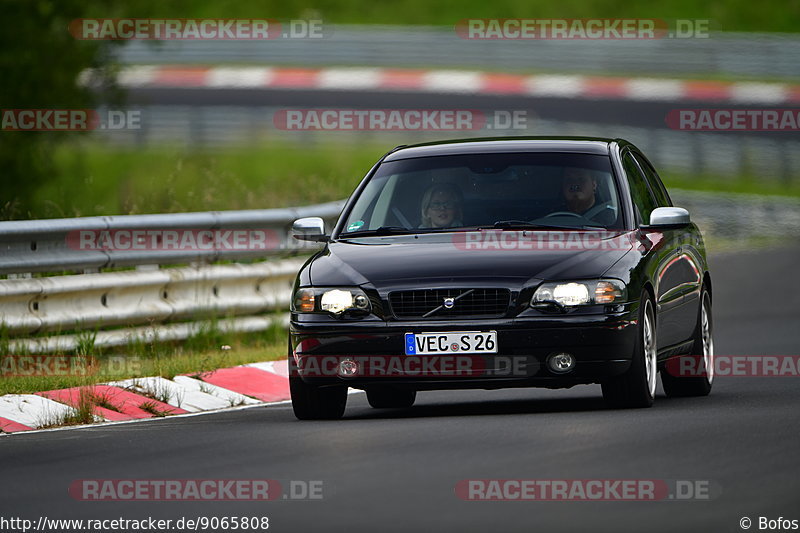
x=441 y=206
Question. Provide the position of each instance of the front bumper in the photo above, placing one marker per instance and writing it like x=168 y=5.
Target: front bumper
x=602 y=345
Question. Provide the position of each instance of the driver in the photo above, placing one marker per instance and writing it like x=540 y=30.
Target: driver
x=579 y=189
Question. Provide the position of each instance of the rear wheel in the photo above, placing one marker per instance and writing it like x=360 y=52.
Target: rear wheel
x=703 y=349
x=382 y=397
x=637 y=386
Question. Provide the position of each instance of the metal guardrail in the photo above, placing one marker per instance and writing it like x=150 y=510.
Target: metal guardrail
x=162 y=305
x=145 y=303
x=736 y=216
x=722 y=53
x=54 y=245
x=88 y=301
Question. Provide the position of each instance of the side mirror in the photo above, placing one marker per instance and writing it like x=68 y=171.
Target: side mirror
x=309 y=229
x=669 y=216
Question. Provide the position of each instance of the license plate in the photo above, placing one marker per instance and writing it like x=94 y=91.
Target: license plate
x=452 y=342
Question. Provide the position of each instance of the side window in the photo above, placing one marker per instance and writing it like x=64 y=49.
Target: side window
x=643 y=200
x=654 y=181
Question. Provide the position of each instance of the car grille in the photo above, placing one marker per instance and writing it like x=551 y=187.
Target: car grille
x=428 y=303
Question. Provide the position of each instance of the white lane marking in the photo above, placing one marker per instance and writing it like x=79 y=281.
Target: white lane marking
x=455 y=81
x=759 y=93
x=556 y=85
x=349 y=78
x=137 y=76
x=239 y=77
x=655 y=89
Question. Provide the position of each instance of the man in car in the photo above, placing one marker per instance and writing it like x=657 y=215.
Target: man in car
x=579 y=189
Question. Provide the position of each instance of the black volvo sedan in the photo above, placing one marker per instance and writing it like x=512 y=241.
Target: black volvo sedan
x=507 y=262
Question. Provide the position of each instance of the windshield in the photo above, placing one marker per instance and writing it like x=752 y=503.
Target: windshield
x=451 y=193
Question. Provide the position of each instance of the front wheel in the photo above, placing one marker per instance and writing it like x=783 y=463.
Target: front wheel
x=700 y=385
x=637 y=386
x=311 y=402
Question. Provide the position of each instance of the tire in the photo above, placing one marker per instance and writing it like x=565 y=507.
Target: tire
x=703 y=346
x=637 y=386
x=310 y=402
x=384 y=397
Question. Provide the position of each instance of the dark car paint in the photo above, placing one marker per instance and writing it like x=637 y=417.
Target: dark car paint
x=437 y=258
x=669 y=264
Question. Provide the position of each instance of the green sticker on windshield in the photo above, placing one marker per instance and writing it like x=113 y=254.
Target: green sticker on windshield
x=354 y=226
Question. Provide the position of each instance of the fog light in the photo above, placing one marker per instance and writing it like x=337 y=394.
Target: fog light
x=561 y=362
x=348 y=367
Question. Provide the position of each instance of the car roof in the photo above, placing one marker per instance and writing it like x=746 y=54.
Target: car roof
x=584 y=145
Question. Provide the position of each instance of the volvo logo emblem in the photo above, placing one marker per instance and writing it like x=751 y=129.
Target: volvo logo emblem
x=447 y=303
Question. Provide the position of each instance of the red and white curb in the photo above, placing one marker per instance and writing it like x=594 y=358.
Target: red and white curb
x=151 y=397
x=453 y=81
x=22 y=412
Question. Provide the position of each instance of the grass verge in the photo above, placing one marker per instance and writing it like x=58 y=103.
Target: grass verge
x=728 y=15
x=98 y=179
x=207 y=351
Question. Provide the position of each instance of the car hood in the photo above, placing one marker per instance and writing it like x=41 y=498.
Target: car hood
x=509 y=257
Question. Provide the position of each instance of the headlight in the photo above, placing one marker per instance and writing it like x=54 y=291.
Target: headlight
x=583 y=292
x=331 y=300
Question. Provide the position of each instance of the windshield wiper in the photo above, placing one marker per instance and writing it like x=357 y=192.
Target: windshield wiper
x=522 y=224
x=383 y=230
x=515 y=224
x=511 y=224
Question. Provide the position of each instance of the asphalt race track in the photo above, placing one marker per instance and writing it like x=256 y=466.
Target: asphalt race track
x=396 y=470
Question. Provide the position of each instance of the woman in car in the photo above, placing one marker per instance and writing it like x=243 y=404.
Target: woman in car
x=441 y=206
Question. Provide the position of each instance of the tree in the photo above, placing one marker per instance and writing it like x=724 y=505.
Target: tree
x=39 y=62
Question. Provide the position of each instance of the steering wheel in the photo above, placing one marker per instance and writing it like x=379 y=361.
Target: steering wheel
x=560 y=213
x=598 y=209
